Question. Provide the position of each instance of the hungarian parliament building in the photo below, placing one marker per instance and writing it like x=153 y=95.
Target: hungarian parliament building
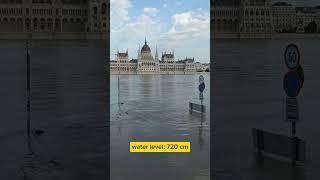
x=146 y=63
x=260 y=18
x=54 y=19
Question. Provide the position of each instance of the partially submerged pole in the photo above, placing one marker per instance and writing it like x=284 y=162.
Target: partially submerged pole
x=118 y=90
x=196 y=107
x=28 y=102
x=28 y=90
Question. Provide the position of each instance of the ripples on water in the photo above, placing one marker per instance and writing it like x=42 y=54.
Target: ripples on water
x=68 y=103
x=155 y=108
x=248 y=93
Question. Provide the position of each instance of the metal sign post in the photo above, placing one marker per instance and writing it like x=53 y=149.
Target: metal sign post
x=201 y=87
x=292 y=84
x=31 y=153
x=290 y=147
x=292 y=110
x=201 y=97
x=118 y=90
x=28 y=90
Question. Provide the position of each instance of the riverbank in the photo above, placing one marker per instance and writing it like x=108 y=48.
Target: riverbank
x=153 y=73
x=263 y=36
x=53 y=36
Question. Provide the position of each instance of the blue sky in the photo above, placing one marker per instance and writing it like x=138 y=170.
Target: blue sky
x=179 y=25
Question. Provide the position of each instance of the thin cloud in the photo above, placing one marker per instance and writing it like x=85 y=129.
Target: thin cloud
x=187 y=33
x=119 y=12
x=150 y=11
x=187 y=27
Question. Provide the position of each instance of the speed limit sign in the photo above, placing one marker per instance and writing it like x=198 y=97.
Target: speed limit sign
x=292 y=56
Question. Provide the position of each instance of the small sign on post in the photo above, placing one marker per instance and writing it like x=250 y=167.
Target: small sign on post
x=292 y=56
x=201 y=87
x=201 y=79
x=292 y=84
x=292 y=110
x=289 y=147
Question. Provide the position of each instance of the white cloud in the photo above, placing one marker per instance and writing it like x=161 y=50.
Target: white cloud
x=188 y=30
x=135 y=27
x=150 y=11
x=139 y=28
x=187 y=27
x=142 y=26
x=119 y=12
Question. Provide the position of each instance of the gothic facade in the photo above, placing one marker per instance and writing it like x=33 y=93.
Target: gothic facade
x=147 y=63
x=54 y=18
x=242 y=18
x=259 y=18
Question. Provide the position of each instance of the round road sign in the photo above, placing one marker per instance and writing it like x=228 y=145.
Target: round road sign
x=201 y=87
x=292 y=56
x=292 y=83
x=201 y=79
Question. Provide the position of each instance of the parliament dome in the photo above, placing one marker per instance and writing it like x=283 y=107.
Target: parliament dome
x=145 y=47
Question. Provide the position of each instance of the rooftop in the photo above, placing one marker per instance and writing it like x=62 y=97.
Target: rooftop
x=145 y=47
x=123 y=54
x=281 y=4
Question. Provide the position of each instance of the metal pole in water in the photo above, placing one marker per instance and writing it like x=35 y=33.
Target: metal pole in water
x=294 y=142
x=28 y=101
x=28 y=90
x=293 y=129
x=118 y=90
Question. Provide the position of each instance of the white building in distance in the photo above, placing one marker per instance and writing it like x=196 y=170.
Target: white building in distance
x=147 y=63
x=242 y=18
x=306 y=15
x=284 y=17
x=54 y=19
x=260 y=19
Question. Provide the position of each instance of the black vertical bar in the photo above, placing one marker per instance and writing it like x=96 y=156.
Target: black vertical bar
x=294 y=142
x=297 y=143
x=28 y=90
x=293 y=128
x=119 y=90
x=260 y=142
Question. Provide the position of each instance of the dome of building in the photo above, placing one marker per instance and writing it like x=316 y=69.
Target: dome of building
x=145 y=47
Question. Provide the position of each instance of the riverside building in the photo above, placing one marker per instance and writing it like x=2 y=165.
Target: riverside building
x=54 y=19
x=147 y=63
x=259 y=19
